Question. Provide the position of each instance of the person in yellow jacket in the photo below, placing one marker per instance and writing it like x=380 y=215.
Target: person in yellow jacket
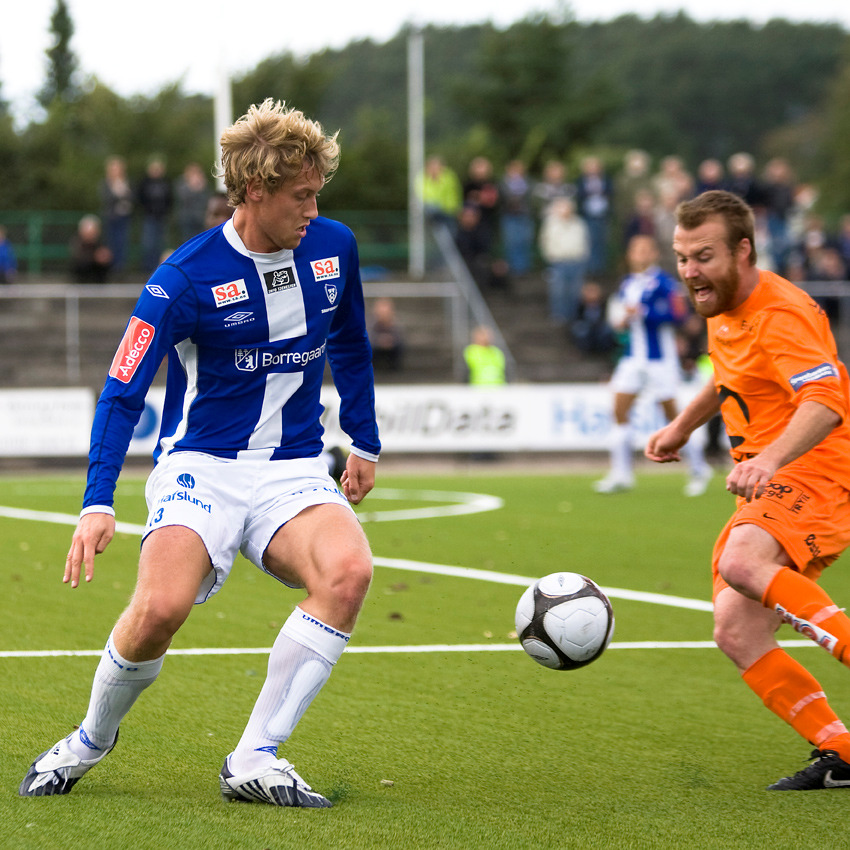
x=440 y=190
x=485 y=362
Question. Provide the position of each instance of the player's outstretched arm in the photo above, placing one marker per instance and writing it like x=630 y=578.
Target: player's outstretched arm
x=358 y=478
x=94 y=531
x=663 y=446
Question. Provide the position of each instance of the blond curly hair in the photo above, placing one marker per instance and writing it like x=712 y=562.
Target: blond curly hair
x=273 y=143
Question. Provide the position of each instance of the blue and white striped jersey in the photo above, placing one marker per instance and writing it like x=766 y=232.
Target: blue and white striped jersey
x=247 y=337
x=660 y=307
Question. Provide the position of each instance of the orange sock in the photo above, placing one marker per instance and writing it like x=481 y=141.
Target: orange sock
x=794 y=695
x=810 y=611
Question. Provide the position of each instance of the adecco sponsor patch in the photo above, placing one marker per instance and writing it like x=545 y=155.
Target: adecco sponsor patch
x=137 y=340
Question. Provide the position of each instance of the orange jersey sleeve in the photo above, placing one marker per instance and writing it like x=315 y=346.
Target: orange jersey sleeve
x=770 y=355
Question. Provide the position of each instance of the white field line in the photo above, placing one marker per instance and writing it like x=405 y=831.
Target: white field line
x=465 y=503
x=385 y=650
x=459 y=504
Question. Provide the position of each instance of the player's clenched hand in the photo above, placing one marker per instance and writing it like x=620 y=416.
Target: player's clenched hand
x=358 y=478
x=749 y=478
x=94 y=531
x=663 y=446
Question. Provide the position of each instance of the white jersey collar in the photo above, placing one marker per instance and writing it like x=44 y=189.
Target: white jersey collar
x=235 y=242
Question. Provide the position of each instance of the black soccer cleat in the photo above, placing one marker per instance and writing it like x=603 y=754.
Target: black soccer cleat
x=827 y=770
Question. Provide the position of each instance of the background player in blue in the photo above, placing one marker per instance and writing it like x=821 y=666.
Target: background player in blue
x=247 y=313
x=651 y=305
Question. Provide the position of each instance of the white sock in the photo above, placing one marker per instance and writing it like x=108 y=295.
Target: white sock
x=694 y=454
x=117 y=685
x=621 y=452
x=300 y=663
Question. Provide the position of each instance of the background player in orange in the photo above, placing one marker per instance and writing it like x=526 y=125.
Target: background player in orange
x=785 y=399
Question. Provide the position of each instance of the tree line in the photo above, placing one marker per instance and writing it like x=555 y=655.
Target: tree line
x=545 y=87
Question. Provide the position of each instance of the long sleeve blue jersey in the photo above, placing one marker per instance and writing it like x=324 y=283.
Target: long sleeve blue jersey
x=247 y=337
x=660 y=307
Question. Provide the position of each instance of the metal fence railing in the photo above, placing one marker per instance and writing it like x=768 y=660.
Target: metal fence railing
x=462 y=311
x=40 y=238
x=464 y=308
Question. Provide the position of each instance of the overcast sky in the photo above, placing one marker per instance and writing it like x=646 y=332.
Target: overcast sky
x=137 y=48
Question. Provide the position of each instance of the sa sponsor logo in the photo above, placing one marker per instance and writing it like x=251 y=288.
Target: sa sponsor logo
x=230 y=293
x=137 y=340
x=325 y=269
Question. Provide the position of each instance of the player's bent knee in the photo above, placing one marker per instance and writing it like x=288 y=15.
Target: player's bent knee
x=155 y=621
x=349 y=582
x=739 y=574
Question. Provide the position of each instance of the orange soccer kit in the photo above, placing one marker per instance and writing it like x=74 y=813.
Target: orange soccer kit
x=771 y=354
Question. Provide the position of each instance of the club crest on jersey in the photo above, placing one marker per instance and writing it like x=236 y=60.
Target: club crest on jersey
x=279 y=280
x=246 y=359
x=325 y=269
x=230 y=293
x=137 y=340
x=331 y=291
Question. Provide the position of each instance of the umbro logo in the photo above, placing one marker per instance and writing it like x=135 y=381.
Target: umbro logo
x=239 y=318
x=156 y=290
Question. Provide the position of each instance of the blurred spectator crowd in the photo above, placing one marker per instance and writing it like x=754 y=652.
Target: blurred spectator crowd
x=505 y=223
x=158 y=212
x=578 y=225
x=574 y=227
x=569 y=223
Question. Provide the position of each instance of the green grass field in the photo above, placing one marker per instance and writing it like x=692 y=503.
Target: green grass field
x=478 y=748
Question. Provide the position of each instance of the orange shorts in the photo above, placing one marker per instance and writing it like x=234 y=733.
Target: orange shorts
x=806 y=513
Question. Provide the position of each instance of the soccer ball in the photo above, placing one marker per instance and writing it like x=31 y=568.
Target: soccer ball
x=564 y=621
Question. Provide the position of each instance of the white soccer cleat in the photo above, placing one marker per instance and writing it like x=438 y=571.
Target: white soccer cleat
x=698 y=484
x=276 y=784
x=57 y=770
x=613 y=484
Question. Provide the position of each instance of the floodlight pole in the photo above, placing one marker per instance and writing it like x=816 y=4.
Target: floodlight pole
x=222 y=113
x=415 y=152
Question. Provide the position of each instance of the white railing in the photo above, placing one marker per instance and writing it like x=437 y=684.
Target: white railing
x=460 y=314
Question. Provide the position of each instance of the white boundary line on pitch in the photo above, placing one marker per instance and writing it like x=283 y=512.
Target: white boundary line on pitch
x=460 y=504
x=467 y=503
x=387 y=650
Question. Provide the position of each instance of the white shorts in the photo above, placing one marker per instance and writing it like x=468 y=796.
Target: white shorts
x=234 y=505
x=656 y=379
